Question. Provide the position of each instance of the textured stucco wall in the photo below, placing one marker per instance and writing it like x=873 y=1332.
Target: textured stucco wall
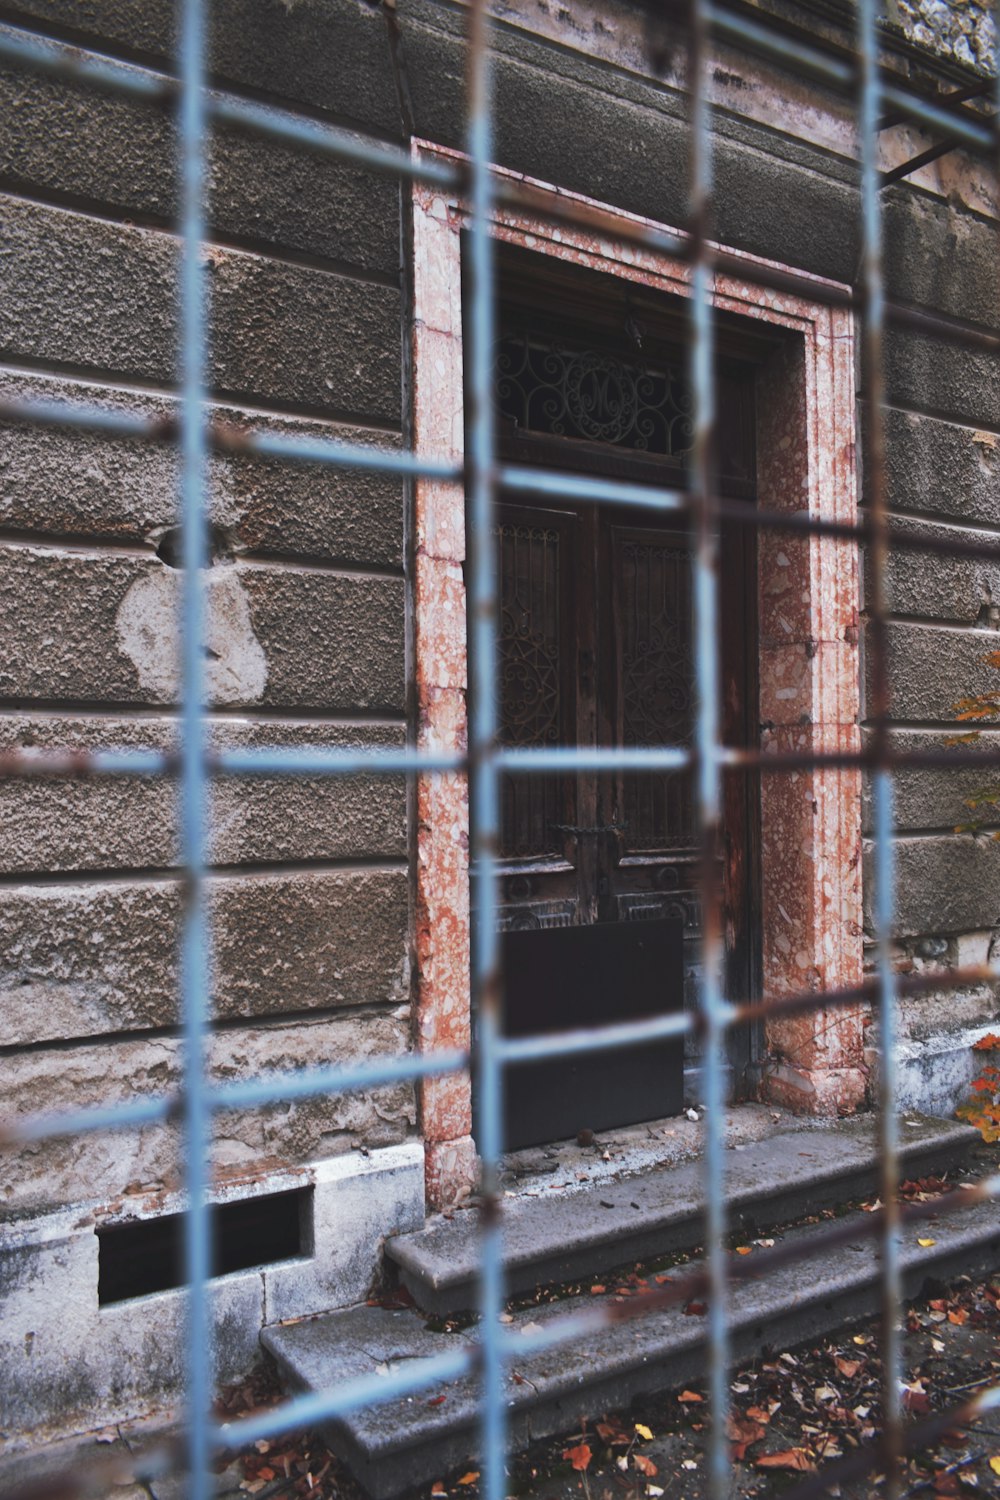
x=306 y=595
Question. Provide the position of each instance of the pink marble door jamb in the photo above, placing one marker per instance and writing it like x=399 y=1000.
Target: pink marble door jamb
x=809 y=685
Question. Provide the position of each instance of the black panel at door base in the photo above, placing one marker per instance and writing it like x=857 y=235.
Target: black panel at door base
x=560 y=978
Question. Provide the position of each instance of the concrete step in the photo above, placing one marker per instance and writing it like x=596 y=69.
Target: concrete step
x=406 y=1442
x=558 y=1238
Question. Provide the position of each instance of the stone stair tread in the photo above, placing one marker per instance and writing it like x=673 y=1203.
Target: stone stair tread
x=557 y=1237
x=392 y=1446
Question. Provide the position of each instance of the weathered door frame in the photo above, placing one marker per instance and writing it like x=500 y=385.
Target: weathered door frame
x=808 y=670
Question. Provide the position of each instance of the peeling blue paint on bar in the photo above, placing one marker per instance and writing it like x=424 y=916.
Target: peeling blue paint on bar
x=195 y=940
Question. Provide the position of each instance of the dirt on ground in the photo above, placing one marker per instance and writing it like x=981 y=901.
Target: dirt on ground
x=794 y=1412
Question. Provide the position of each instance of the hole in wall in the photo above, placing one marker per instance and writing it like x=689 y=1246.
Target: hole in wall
x=170 y=546
x=147 y=1255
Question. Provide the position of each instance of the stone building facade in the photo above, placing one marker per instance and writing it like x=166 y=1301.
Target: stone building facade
x=336 y=603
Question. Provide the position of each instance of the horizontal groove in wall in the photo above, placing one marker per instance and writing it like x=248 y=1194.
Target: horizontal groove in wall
x=248 y=716
x=931 y=622
x=269 y=250
x=937 y=414
x=264 y=1020
x=119 y=380
x=88 y=545
x=140 y=875
x=115 y=708
x=159 y=64
x=932 y=726
x=148 y=391
x=972 y=528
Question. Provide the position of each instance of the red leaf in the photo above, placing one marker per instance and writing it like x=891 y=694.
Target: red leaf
x=696 y=1309
x=791 y=1458
x=645 y=1465
x=579 y=1456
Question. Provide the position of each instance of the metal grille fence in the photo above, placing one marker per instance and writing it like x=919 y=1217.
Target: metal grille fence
x=858 y=74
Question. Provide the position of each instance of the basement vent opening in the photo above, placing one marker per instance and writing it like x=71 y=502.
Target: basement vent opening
x=148 y=1255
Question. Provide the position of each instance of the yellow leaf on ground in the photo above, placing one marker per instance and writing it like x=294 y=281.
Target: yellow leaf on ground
x=469 y=1478
x=925 y=1243
x=742 y=1249
x=995 y=1463
x=646 y=1432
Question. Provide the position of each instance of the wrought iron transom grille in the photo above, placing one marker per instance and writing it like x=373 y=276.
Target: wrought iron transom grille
x=590 y=395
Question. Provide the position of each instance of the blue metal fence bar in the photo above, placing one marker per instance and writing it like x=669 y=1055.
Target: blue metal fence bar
x=115 y=77
x=328 y=141
x=842 y=72
x=870 y=105
x=708 y=779
x=195 y=952
x=30 y=763
x=484 y=817
x=367 y=1390
x=52 y=57
x=112 y=76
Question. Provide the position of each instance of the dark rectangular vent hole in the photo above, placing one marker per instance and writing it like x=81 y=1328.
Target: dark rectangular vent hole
x=148 y=1256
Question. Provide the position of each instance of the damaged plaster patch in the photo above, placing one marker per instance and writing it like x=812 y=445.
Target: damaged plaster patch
x=147 y=630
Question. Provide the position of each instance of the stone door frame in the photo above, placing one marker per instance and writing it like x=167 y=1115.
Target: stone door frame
x=808 y=609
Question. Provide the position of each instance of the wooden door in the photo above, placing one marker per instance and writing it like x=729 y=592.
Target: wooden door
x=595 y=649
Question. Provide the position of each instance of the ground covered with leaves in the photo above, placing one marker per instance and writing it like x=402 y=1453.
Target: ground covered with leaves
x=792 y=1412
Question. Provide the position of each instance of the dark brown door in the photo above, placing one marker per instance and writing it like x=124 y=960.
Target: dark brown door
x=595 y=649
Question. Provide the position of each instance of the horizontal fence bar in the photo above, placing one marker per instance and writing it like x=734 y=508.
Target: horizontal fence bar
x=327 y=140
x=87 y=419
x=385 y=1070
x=308 y=1084
x=32 y=763
x=596 y=1039
x=568 y=486
x=251 y=1093
x=348 y=1395
x=44 y=55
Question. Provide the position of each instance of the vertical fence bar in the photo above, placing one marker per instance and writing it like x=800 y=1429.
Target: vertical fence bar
x=484 y=810
x=873 y=328
x=707 y=764
x=194 y=950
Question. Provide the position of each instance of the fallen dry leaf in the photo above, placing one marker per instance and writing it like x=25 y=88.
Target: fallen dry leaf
x=644 y=1431
x=696 y=1309
x=437 y=1488
x=757 y=1414
x=743 y=1432
x=926 y=1243
x=959 y=1316
x=469 y=1478
x=742 y=1249
x=595 y=1291
x=789 y=1458
x=689 y=1396
x=579 y=1456
x=645 y=1465
x=995 y=1463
